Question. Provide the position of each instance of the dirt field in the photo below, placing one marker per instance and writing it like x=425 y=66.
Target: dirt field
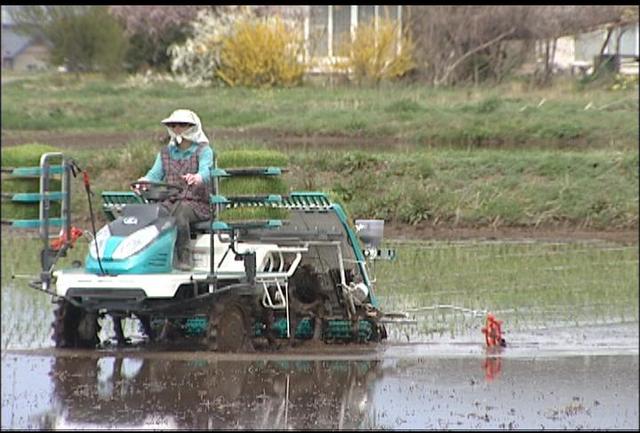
x=106 y=139
x=561 y=234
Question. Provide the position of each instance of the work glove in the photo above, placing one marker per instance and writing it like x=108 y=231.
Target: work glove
x=138 y=188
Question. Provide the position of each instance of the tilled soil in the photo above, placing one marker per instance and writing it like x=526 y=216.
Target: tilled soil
x=68 y=140
x=559 y=234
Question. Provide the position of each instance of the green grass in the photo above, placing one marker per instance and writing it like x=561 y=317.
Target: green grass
x=528 y=285
x=593 y=189
x=507 y=115
x=253 y=185
x=527 y=188
x=25 y=256
x=27 y=155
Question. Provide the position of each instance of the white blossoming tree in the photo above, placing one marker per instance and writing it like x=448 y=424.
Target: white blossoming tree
x=195 y=62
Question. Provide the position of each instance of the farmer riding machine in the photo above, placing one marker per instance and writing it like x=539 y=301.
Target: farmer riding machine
x=254 y=284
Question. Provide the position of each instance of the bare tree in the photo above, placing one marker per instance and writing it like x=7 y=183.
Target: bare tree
x=451 y=39
x=453 y=42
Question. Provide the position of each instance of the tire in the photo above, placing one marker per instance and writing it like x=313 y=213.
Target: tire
x=74 y=327
x=230 y=326
x=379 y=333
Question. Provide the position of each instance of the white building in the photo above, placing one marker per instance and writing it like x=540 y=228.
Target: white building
x=327 y=26
x=579 y=51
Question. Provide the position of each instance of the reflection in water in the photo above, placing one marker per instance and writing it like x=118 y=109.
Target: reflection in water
x=172 y=390
x=153 y=393
x=492 y=366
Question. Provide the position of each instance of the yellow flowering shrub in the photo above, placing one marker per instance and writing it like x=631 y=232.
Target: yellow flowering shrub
x=262 y=53
x=624 y=82
x=376 y=54
x=195 y=61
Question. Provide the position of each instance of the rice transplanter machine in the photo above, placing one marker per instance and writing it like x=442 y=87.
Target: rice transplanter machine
x=255 y=284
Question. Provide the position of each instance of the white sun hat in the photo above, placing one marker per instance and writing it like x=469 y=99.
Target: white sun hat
x=182 y=116
x=194 y=133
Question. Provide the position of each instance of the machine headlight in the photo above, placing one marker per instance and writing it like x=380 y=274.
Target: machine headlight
x=135 y=242
x=99 y=242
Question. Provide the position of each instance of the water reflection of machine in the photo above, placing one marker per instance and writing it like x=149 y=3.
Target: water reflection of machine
x=136 y=392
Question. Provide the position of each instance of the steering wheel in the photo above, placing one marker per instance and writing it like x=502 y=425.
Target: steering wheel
x=155 y=191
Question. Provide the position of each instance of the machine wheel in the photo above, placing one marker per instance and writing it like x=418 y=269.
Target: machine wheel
x=146 y=327
x=379 y=332
x=74 y=327
x=229 y=328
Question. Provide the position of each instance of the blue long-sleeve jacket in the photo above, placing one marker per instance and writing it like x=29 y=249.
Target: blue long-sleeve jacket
x=205 y=160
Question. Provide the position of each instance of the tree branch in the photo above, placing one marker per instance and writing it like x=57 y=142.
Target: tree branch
x=455 y=64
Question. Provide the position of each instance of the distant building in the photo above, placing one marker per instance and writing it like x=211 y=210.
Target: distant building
x=325 y=27
x=23 y=53
x=579 y=51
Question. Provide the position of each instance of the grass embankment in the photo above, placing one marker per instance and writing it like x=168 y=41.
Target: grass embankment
x=511 y=115
x=567 y=157
x=592 y=189
x=455 y=188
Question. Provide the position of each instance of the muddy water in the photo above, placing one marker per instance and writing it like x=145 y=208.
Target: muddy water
x=390 y=387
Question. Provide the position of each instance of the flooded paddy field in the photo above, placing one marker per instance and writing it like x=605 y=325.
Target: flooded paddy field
x=570 y=317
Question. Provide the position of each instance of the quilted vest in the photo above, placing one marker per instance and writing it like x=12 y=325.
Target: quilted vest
x=196 y=196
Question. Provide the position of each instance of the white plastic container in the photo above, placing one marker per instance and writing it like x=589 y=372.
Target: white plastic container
x=370 y=232
x=360 y=291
